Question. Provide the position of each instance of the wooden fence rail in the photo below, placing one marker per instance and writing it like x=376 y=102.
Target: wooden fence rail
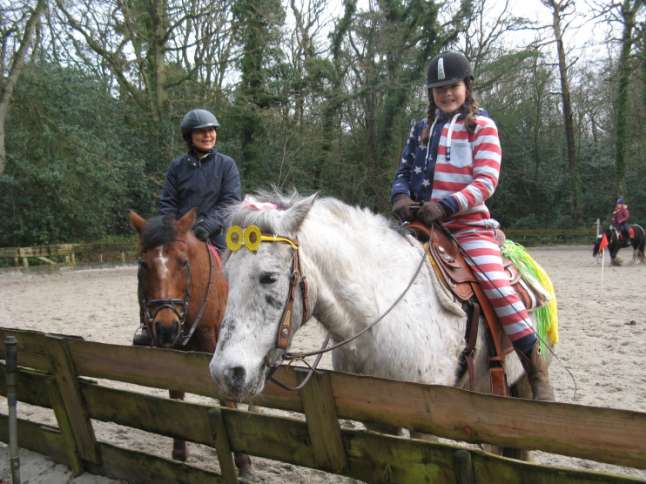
x=21 y=255
x=70 y=254
x=55 y=373
x=126 y=250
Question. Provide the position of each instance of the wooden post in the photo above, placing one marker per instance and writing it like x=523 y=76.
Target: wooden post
x=11 y=371
x=323 y=424
x=123 y=257
x=62 y=367
x=58 y=405
x=73 y=257
x=222 y=445
x=463 y=467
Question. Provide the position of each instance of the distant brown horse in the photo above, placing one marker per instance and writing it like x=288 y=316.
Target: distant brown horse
x=182 y=292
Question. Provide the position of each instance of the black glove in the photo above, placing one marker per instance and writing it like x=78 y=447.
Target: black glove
x=431 y=212
x=402 y=207
x=201 y=232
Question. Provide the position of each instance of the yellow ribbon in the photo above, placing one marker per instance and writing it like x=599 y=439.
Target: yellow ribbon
x=251 y=237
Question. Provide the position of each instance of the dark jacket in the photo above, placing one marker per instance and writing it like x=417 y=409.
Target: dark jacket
x=210 y=184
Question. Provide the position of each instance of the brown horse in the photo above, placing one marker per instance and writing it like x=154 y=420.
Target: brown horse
x=182 y=292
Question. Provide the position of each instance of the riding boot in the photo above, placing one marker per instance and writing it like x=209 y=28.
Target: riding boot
x=142 y=337
x=536 y=368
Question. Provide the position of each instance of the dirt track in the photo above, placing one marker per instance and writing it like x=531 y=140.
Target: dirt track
x=602 y=326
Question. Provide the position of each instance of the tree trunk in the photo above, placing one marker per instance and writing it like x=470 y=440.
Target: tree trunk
x=628 y=13
x=573 y=168
x=14 y=72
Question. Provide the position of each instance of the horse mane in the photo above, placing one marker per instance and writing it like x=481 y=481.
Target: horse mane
x=158 y=230
x=265 y=208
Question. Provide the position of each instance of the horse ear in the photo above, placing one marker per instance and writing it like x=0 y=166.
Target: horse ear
x=136 y=220
x=186 y=222
x=295 y=215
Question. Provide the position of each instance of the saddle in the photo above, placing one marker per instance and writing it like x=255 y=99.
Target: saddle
x=453 y=270
x=627 y=234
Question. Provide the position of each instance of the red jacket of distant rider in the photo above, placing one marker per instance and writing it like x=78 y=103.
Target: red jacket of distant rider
x=620 y=214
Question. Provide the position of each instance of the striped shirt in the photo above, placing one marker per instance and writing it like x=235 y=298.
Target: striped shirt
x=459 y=170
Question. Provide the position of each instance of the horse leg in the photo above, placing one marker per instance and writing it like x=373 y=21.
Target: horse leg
x=179 y=446
x=206 y=338
x=520 y=389
x=242 y=461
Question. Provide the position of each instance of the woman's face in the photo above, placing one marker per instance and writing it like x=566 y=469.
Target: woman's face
x=203 y=139
x=450 y=98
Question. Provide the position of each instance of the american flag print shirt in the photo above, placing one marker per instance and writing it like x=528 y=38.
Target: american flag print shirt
x=457 y=169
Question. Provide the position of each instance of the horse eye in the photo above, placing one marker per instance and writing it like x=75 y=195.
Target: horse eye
x=268 y=277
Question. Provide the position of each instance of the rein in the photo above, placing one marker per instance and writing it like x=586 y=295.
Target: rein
x=172 y=303
x=301 y=355
x=251 y=238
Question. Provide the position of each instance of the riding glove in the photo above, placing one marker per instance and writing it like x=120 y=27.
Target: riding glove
x=201 y=232
x=431 y=212
x=402 y=207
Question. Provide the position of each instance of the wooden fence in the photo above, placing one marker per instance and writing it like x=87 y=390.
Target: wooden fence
x=56 y=372
x=99 y=252
x=70 y=254
x=44 y=253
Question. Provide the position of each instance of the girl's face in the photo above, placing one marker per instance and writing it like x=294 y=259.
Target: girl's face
x=203 y=139
x=450 y=98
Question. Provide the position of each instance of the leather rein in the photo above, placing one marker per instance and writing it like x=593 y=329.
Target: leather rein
x=152 y=307
x=274 y=358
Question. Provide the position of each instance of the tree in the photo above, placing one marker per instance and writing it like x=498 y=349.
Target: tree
x=257 y=27
x=14 y=51
x=137 y=40
x=559 y=12
x=627 y=13
x=390 y=46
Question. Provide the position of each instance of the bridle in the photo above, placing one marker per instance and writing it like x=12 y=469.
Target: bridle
x=250 y=238
x=150 y=308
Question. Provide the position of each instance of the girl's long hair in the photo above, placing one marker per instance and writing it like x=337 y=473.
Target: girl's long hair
x=468 y=110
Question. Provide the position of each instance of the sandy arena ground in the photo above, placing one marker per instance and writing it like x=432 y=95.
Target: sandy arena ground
x=602 y=327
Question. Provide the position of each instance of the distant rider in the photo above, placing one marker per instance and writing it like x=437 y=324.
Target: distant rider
x=620 y=216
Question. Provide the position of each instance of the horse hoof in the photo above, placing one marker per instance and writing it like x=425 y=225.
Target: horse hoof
x=243 y=463
x=180 y=454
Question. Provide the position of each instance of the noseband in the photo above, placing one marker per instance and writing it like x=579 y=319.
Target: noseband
x=150 y=308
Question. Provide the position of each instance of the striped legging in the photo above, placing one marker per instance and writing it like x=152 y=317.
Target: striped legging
x=486 y=262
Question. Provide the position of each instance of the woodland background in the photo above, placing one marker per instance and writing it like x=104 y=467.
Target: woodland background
x=310 y=94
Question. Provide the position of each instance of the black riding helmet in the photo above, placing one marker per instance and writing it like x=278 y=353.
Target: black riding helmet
x=448 y=68
x=196 y=119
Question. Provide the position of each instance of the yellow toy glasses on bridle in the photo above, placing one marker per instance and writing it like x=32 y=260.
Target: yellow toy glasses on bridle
x=251 y=237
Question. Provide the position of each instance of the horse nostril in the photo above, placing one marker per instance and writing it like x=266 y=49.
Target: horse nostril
x=235 y=376
x=166 y=335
